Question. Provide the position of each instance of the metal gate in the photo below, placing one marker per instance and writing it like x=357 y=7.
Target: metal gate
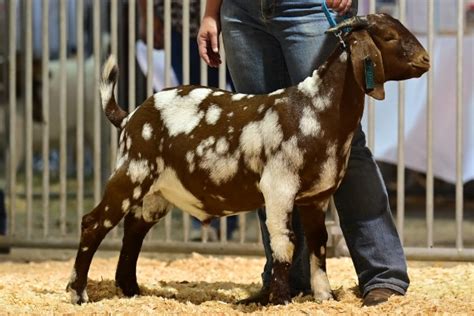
x=59 y=150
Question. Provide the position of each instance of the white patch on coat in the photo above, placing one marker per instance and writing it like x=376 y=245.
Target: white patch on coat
x=129 y=143
x=343 y=57
x=218 y=197
x=147 y=131
x=279 y=185
x=173 y=190
x=222 y=166
x=230 y=130
x=238 y=96
x=284 y=100
x=190 y=160
x=322 y=250
x=138 y=170
x=230 y=114
x=84 y=249
x=137 y=192
x=319 y=280
x=261 y=107
x=107 y=223
x=261 y=135
x=106 y=209
x=126 y=203
x=217 y=93
x=160 y=164
x=309 y=124
x=322 y=102
x=222 y=146
x=204 y=144
x=213 y=113
x=181 y=113
x=279 y=91
x=310 y=86
x=121 y=158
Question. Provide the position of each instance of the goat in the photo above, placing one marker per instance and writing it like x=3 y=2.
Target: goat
x=213 y=153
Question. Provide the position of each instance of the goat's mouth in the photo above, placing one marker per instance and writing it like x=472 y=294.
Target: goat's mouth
x=420 y=66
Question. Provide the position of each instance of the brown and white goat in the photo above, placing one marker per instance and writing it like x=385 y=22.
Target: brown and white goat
x=213 y=153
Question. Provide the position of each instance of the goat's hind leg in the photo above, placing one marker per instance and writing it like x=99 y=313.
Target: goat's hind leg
x=136 y=225
x=95 y=226
x=312 y=217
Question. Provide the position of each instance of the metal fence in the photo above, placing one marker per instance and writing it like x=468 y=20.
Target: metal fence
x=56 y=166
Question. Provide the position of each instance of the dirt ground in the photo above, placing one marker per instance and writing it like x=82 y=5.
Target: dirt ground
x=199 y=284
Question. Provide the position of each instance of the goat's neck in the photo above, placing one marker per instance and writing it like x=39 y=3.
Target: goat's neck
x=336 y=90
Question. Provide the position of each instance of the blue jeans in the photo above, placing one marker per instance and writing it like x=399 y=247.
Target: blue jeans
x=272 y=44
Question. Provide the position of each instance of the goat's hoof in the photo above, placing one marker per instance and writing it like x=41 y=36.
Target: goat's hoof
x=280 y=299
x=75 y=297
x=323 y=296
x=129 y=289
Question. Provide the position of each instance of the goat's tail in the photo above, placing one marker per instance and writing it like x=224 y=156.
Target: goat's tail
x=112 y=110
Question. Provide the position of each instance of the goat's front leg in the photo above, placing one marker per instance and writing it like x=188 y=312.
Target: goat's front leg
x=312 y=217
x=279 y=191
x=136 y=225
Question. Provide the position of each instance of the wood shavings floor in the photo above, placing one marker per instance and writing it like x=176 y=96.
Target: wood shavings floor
x=199 y=284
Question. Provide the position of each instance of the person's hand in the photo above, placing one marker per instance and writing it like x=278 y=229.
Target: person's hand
x=340 y=6
x=208 y=41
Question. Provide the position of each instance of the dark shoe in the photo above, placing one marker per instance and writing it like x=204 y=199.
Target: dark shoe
x=378 y=296
x=262 y=297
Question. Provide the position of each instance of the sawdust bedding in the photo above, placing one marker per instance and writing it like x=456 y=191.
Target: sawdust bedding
x=208 y=285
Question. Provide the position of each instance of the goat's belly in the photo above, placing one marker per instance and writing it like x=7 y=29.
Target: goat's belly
x=209 y=205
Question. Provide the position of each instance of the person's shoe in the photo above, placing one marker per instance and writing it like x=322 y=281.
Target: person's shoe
x=378 y=296
x=262 y=297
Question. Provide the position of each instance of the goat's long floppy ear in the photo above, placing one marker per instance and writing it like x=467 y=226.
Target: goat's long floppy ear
x=367 y=60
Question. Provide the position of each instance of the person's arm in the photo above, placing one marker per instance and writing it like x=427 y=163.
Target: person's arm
x=340 y=6
x=208 y=36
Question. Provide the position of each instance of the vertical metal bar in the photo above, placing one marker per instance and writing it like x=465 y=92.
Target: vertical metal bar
x=114 y=51
x=186 y=226
x=149 y=47
x=222 y=66
x=371 y=104
x=167 y=44
x=131 y=54
x=45 y=104
x=12 y=113
x=203 y=69
x=97 y=107
x=168 y=225
x=459 y=126
x=185 y=40
x=29 y=116
x=62 y=114
x=186 y=76
x=259 y=233
x=401 y=145
x=223 y=229
x=80 y=113
x=205 y=233
x=242 y=227
x=429 y=134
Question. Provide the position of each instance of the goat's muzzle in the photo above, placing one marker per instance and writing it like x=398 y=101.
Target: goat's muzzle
x=422 y=62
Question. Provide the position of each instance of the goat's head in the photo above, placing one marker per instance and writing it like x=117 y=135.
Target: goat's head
x=393 y=50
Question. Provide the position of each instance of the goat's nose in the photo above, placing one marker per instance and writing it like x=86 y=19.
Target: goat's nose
x=425 y=59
